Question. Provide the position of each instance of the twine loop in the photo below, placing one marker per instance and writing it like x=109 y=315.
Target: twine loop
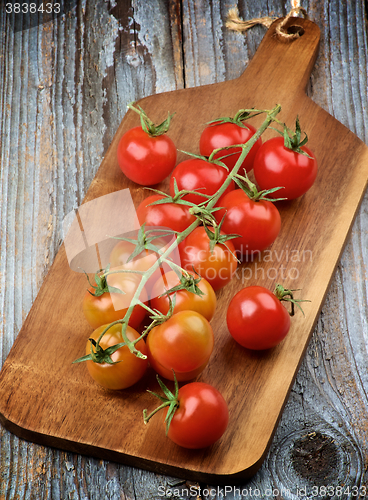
x=234 y=22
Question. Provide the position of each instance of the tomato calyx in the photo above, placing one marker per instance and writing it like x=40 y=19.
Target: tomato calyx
x=287 y=295
x=250 y=189
x=148 y=126
x=100 y=355
x=169 y=399
x=145 y=242
x=178 y=196
x=215 y=236
x=292 y=140
x=211 y=159
x=158 y=317
x=101 y=286
x=204 y=214
x=187 y=282
x=239 y=118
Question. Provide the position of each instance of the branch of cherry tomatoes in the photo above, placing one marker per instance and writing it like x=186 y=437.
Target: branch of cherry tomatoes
x=187 y=247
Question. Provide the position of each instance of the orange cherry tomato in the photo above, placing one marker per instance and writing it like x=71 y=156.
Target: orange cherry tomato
x=217 y=267
x=204 y=304
x=129 y=369
x=182 y=344
x=110 y=307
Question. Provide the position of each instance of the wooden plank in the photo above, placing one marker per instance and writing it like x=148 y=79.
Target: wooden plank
x=56 y=104
x=332 y=362
x=43 y=472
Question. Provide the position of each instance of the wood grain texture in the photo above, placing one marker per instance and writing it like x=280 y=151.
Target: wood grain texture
x=29 y=239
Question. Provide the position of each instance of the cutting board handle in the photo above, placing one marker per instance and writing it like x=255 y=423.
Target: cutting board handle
x=285 y=65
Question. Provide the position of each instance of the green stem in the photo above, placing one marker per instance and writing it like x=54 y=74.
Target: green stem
x=146 y=276
x=132 y=271
x=146 y=417
x=107 y=328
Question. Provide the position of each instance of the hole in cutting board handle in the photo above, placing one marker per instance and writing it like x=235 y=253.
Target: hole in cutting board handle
x=295 y=30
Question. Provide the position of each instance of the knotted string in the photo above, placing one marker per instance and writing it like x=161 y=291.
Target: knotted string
x=234 y=23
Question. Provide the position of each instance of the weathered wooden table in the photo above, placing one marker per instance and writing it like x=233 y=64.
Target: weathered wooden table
x=64 y=90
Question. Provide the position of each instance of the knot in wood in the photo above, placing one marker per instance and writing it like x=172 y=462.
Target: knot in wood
x=315 y=456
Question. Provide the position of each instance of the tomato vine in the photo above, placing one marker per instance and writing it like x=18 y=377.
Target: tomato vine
x=145 y=241
x=207 y=215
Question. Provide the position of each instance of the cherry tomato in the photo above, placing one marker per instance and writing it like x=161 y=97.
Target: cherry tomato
x=182 y=343
x=109 y=307
x=123 y=250
x=129 y=368
x=256 y=319
x=257 y=222
x=202 y=416
x=204 y=304
x=223 y=134
x=171 y=215
x=201 y=175
x=275 y=165
x=144 y=159
x=217 y=267
x=145 y=260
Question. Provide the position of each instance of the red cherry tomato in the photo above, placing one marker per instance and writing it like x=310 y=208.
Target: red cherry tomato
x=228 y=134
x=144 y=159
x=202 y=416
x=109 y=307
x=256 y=319
x=182 y=343
x=204 y=304
x=217 y=267
x=275 y=165
x=128 y=370
x=201 y=175
x=258 y=222
x=171 y=215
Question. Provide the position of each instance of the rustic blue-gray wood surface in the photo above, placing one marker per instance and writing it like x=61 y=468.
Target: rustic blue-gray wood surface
x=64 y=88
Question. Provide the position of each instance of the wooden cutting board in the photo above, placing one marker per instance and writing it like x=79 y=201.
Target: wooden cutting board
x=46 y=399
